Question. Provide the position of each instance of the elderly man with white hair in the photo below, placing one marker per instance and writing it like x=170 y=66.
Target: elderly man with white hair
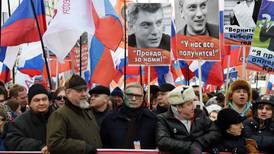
x=183 y=129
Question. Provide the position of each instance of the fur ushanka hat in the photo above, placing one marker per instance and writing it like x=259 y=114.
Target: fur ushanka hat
x=238 y=84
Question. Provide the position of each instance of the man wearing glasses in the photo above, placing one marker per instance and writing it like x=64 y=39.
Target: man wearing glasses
x=133 y=126
x=72 y=128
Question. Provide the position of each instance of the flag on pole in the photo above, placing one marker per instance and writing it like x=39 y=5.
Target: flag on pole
x=109 y=29
x=73 y=18
x=4 y=73
x=8 y=55
x=270 y=84
x=101 y=63
x=31 y=60
x=21 y=26
x=212 y=72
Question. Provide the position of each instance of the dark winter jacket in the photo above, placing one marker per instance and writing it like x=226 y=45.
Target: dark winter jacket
x=27 y=132
x=172 y=135
x=233 y=144
x=120 y=130
x=263 y=136
x=72 y=130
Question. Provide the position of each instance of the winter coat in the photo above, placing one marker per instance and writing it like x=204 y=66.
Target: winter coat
x=115 y=129
x=72 y=130
x=172 y=135
x=264 y=136
x=233 y=144
x=27 y=132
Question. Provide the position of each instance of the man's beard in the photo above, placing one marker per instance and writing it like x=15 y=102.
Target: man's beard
x=83 y=104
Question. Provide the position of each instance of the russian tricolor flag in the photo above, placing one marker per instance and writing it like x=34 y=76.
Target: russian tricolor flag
x=101 y=63
x=108 y=35
x=4 y=73
x=8 y=55
x=21 y=26
x=212 y=72
x=270 y=84
x=109 y=29
x=31 y=60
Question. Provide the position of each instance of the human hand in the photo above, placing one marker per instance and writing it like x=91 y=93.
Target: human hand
x=44 y=150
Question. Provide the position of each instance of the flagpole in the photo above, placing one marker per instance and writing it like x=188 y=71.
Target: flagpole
x=257 y=79
x=125 y=44
x=6 y=77
x=141 y=72
x=80 y=73
x=13 y=68
x=42 y=44
x=180 y=71
x=266 y=82
x=200 y=81
x=227 y=73
x=148 y=86
x=244 y=64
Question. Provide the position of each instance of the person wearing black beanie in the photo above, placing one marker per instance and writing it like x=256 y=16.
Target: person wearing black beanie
x=117 y=98
x=230 y=125
x=31 y=126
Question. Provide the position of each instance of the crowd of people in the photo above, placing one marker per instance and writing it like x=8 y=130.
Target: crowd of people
x=74 y=119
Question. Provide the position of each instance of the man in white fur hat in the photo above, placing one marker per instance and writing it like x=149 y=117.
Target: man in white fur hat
x=183 y=130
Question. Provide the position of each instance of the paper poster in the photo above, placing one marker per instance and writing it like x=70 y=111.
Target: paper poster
x=240 y=21
x=149 y=26
x=197 y=29
x=262 y=51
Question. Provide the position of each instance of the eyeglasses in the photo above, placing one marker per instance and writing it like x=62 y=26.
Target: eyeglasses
x=59 y=98
x=136 y=96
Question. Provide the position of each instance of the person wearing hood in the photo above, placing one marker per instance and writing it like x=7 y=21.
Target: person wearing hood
x=261 y=126
x=132 y=126
x=116 y=97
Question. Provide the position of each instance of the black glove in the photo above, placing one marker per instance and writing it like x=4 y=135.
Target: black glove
x=90 y=149
x=214 y=151
x=195 y=148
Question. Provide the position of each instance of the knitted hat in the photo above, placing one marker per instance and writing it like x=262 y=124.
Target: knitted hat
x=166 y=87
x=99 y=90
x=180 y=96
x=227 y=117
x=117 y=92
x=75 y=82
x=35 y=90
x=239 y=84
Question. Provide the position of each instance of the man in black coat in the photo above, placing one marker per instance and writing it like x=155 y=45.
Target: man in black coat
x=28 y=131
x=181 y=130
x=133 y=126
